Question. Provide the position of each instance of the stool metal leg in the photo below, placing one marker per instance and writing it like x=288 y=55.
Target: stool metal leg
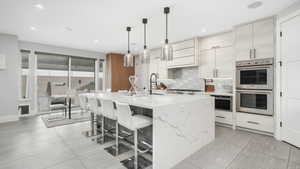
x=135 y=149
x=102 y=130
x=91 y=133
x=92 y=123
x=117 y=138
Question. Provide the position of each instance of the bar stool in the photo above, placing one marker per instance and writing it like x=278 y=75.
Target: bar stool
x=82 y=104
x=108 y=111
x=95 y=110
x=132 y=122
x=87 y=101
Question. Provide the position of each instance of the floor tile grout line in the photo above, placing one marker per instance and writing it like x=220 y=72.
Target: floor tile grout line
x=238 y=153
x=289 y=158
x=73 y=152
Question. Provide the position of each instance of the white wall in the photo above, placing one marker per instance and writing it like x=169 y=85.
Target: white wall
x=286 y=12
x=281 y=17
x=10 y=78
x=60 y=50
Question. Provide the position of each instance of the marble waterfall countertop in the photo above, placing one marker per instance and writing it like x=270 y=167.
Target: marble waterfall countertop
x=151 y=101
x=182 y=124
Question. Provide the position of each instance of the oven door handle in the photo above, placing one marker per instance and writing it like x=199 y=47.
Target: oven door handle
x=222 y=117
x=253 y=91
x=253 y=122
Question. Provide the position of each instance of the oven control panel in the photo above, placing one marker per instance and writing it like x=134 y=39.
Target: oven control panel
x=256 y=62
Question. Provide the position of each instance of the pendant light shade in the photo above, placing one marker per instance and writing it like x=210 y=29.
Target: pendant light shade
x=145 y=56
x=167 y=49
x=128 y=58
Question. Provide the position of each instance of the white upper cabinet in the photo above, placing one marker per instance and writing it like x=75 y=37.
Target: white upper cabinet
x=185 y=53
x=207 y=63
x=156 y=65
x=244 y=42
x=225 y=62
x=219 y=40
x=263 y=38
x=255 y=40
x=216 y=58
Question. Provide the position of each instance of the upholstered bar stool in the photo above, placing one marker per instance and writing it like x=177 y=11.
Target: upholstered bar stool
x=82 y=104
x=95 y=112
x=132 y=122
x=87 y=101
x=109 y=112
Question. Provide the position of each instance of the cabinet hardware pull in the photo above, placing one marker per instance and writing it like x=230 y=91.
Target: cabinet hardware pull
x=221 y=117
x=250 y=54
x=252 y=122
x=254 y=51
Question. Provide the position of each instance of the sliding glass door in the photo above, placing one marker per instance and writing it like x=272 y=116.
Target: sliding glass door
x=82 y=74
x=101 y=75
x=52 y=80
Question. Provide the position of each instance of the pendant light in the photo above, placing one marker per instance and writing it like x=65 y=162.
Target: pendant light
x=167 y=49
x=145 y=58
x=128 y=58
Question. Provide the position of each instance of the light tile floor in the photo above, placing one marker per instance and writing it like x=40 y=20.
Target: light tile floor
x=28 y=144
x=243 y=150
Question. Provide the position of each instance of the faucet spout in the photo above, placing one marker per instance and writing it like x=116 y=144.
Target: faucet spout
x=152 y=81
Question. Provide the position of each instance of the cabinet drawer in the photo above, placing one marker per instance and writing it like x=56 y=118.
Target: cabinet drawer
x=256 y=122
x=223 y=117
x=184 y=53
x=184 y=45
x=182 y=61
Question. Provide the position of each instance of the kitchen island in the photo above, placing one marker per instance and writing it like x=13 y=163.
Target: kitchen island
x=182 y=124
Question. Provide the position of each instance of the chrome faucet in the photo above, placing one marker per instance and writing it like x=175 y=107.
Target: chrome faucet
x=151 y=82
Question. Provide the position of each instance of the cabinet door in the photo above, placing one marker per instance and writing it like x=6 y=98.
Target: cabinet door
x=154 y=57
x=207 y=63
x=263 y=38
x=220 y=40
x=225 y=62
x=153 y=65
x=243 y=42
x=162 y=69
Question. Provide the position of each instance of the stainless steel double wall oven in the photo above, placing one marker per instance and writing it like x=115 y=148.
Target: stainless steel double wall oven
x=254 y=83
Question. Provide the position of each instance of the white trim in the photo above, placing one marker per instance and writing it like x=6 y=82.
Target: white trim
x=278 y=100
x=9 y=118
x=285 y=18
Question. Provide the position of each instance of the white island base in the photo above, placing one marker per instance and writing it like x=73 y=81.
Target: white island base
x=179 y=130
x=182 y=124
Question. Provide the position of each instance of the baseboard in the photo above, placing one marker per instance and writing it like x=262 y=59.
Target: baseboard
x=8 y=118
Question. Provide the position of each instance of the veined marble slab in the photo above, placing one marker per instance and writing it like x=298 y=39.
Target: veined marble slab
x=182 y=124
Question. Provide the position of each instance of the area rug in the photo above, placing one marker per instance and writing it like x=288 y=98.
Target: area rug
x=58 y=119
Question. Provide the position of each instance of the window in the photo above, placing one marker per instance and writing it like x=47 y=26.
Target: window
x=24 y=76
x=101 y=74
x=52 y=80
x=82 y=74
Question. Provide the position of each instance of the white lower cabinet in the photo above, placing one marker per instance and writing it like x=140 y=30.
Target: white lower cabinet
x=255 y=122
x=224 y=117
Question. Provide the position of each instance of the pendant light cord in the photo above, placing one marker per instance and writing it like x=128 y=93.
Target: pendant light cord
x=128 y=29
x=166 y=28
x=145 y=46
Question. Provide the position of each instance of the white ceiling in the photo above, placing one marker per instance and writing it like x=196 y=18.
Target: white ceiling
x=106 y=20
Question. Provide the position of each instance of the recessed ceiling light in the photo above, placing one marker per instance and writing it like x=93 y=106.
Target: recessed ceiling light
x=255 y=5
x=39 y=6
x=68 y=29
x=32 y=28
x=96 y=41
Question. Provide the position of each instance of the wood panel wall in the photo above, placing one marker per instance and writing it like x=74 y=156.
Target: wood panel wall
x=119 y=73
